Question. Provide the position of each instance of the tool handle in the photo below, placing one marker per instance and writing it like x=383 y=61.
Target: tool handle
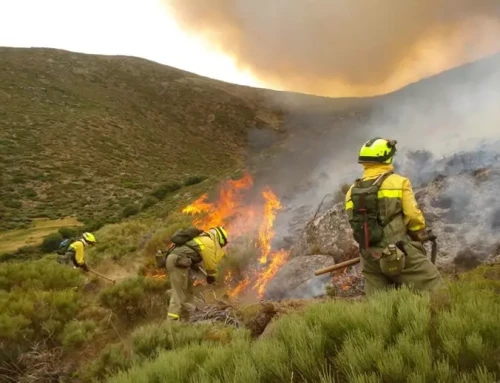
x=338 y=266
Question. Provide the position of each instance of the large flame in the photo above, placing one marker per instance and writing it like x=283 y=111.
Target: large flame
x=241 y=219
x=266 y=233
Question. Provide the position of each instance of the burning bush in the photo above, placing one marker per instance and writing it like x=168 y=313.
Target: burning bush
x=249 y=224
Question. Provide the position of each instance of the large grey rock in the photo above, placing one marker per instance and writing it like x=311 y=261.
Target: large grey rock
x=328 y=234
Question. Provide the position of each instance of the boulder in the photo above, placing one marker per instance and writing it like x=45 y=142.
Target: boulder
x=328 y=234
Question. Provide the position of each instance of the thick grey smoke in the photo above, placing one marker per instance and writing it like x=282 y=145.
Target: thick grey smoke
x=344 y=47
x=453 y=118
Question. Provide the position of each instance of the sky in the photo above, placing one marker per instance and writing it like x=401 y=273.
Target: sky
x=140 y=28
x=325 y=47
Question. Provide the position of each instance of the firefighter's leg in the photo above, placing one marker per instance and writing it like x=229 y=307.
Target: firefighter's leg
x=374 y=279
x=179 y=280
x=419 y=272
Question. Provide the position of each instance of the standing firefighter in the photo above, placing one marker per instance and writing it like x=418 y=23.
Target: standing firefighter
x=388 y=224
x=194 y=250
x=72 y=252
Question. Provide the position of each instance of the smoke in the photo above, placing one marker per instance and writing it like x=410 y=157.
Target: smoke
x=344 y=47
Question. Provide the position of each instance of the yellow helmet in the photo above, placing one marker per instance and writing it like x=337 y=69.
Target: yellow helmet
x=89 y=238
x=221 y=234
x=377 y=150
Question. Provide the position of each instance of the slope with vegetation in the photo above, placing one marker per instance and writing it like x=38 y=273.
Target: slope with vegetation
x=102 y=137
x=111 y=140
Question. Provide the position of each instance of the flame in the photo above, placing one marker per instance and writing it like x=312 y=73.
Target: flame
x=239 y=288
x=266 y=234
x=278 y=260
x=228 y=205
x=230 y=211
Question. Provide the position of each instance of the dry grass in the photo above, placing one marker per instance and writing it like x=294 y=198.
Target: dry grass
x=14 y=239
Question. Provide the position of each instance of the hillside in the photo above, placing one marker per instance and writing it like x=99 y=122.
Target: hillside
x=88 y=135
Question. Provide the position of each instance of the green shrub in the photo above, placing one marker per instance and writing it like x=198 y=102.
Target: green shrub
x=13 y=204
x=396 y=336
x=68 y=232
x=136 y=298
x=130 y=210
x=148 y=202
x=149 y=341
x=37 y=301
x=51 y=242
x=163 y=190
x=76 y=333
x=193 y=180
x=93 y=225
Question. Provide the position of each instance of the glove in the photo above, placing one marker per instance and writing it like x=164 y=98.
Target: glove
x=210 y=279
x=84 y=267
x=422 y=235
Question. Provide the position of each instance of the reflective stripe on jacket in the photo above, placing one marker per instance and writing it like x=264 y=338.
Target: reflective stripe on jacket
x=395 y=195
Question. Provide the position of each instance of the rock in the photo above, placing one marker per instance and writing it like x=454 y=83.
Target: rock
x=328 y=234
x=296 y=278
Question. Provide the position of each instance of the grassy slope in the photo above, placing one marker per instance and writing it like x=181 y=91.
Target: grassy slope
x=86 y=135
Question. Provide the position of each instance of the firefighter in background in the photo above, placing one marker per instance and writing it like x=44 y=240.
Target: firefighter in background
x=388 y=224
x=194 y=250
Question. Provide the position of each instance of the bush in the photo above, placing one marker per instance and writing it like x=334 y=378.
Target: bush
x=13 y=203
x=396 y=336
x=51 y=242
x=149 y=341
x=76 y=333
x=130 y=210
x=136 y=298
x=37 y=300
x=163 y=190
x=148 y=202
x=68 y=232
x=193 y=180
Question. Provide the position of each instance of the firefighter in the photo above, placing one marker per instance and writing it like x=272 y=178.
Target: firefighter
x=388 y=224
x=72 y=252
x=203 y=251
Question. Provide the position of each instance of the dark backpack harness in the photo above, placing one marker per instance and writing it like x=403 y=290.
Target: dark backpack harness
x=367 y=225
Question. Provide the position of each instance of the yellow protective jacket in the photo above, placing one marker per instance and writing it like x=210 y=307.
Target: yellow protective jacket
x=79 y=249
x=207 y=246
x=397 y=193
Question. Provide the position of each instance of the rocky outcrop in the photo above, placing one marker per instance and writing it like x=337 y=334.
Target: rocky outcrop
x=462 y=209
x=328 y=234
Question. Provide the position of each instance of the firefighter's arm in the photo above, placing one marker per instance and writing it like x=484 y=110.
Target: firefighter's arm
x=79 y=254
x=414 y=218
x=348 y=201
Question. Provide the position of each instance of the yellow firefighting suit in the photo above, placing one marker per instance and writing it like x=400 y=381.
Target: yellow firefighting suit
x=396 y=200
x=205 y=251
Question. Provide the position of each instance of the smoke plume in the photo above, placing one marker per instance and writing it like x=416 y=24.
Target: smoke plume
x=344 y=47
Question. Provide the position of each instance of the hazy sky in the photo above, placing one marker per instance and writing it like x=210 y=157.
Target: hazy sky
x=140 y=28
x=326 y=47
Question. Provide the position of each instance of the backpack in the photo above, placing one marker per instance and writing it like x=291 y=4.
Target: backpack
x=365 y=222
x=180 y=238
x=64 y=245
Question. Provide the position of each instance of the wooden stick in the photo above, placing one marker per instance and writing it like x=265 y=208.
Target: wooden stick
x=338 y=266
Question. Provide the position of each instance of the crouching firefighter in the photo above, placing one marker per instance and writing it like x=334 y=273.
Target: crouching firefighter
x=72 y=252
x=193 y=249
x=388 y=224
